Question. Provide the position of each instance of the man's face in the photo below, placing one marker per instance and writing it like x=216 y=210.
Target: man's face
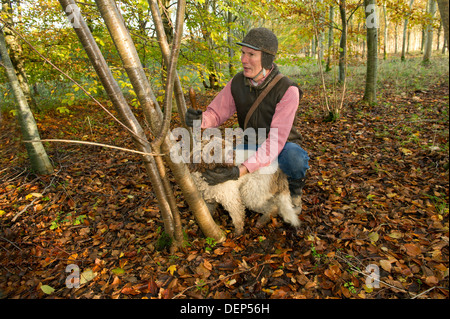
x=251 y=62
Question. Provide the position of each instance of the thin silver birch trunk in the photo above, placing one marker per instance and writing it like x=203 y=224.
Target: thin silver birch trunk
x=40 y=163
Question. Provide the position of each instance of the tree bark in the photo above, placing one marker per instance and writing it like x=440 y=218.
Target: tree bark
x=443 y=10
x=165 y=18
x=370 y=93
x=343 y=42
x=429 y=32
x=330 y=39
x=405 y=29
x=165 y=50
x=386 y=25
x=230 y=20
x=40 y=162
x=16 y=55
x=171 y=74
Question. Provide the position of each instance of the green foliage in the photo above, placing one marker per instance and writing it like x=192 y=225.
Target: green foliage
x=211 y=243
x=209 y=55
x=164 y=242
x=66 y=219
x=350 y=286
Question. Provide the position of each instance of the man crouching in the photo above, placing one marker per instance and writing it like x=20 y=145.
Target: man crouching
x=275 y=113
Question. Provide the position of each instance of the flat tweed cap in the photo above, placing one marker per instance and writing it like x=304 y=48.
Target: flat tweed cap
x=261 y=39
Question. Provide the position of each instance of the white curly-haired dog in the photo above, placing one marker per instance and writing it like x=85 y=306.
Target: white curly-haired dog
x=265 y=191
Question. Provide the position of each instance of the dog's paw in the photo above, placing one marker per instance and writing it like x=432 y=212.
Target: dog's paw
x=295 y=222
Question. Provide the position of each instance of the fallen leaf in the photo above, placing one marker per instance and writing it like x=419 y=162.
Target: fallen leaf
x=207 y=265
x=166 y=293
x=37 y=195
x=386 y=265
x=153 y=287
x=72 y=258
x=267 y=291
x=368 y=289
x=431 y=281
x=412 y=250
x=310 y=284
x=396 y=235
x=203 y=271
x=278 y=294
x=231 y=282
x=172 y=269
x=333 y=272
x=130 y=291
x=405 y=151
x=278 y=273
x=116 y=282
x=87 y=275
x=118 y=271
x=373 y=236
x=47 y=289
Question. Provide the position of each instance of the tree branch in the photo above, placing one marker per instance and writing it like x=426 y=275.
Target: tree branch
x=171 y=73
x=96 y=144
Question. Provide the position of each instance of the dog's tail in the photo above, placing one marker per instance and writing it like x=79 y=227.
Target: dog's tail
x=287 y=211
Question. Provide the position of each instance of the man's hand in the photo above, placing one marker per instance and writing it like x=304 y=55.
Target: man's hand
x=221 y=175
x=191 y=116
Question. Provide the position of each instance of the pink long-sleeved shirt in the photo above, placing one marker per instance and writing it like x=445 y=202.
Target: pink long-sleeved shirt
x=223 y=107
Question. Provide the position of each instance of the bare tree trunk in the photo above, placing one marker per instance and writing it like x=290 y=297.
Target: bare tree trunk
x=370 y=93
x=330 y=40
x=429 y=32
x=165 y=18
x=40 y=162
x=405 y=29
x=230 y=20
x=343 y=42
x=443 y=10
x=320 y=37
x=386 y=25
x=396 y=39
x=165 y=50
x=438 y=42
x=16 y=55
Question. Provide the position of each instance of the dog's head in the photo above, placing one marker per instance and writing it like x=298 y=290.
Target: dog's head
x=211 y=153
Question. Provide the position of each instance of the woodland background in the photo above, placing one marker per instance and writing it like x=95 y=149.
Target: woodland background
x=377 y=191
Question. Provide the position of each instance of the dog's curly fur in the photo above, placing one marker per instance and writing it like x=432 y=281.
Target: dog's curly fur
x=267 y=194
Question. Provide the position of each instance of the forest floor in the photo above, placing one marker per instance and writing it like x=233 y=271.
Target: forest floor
x=377 y=197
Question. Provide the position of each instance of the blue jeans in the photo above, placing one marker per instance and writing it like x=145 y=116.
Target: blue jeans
x=293 y=160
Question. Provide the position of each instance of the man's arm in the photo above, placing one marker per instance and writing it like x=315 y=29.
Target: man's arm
x=220 y=109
